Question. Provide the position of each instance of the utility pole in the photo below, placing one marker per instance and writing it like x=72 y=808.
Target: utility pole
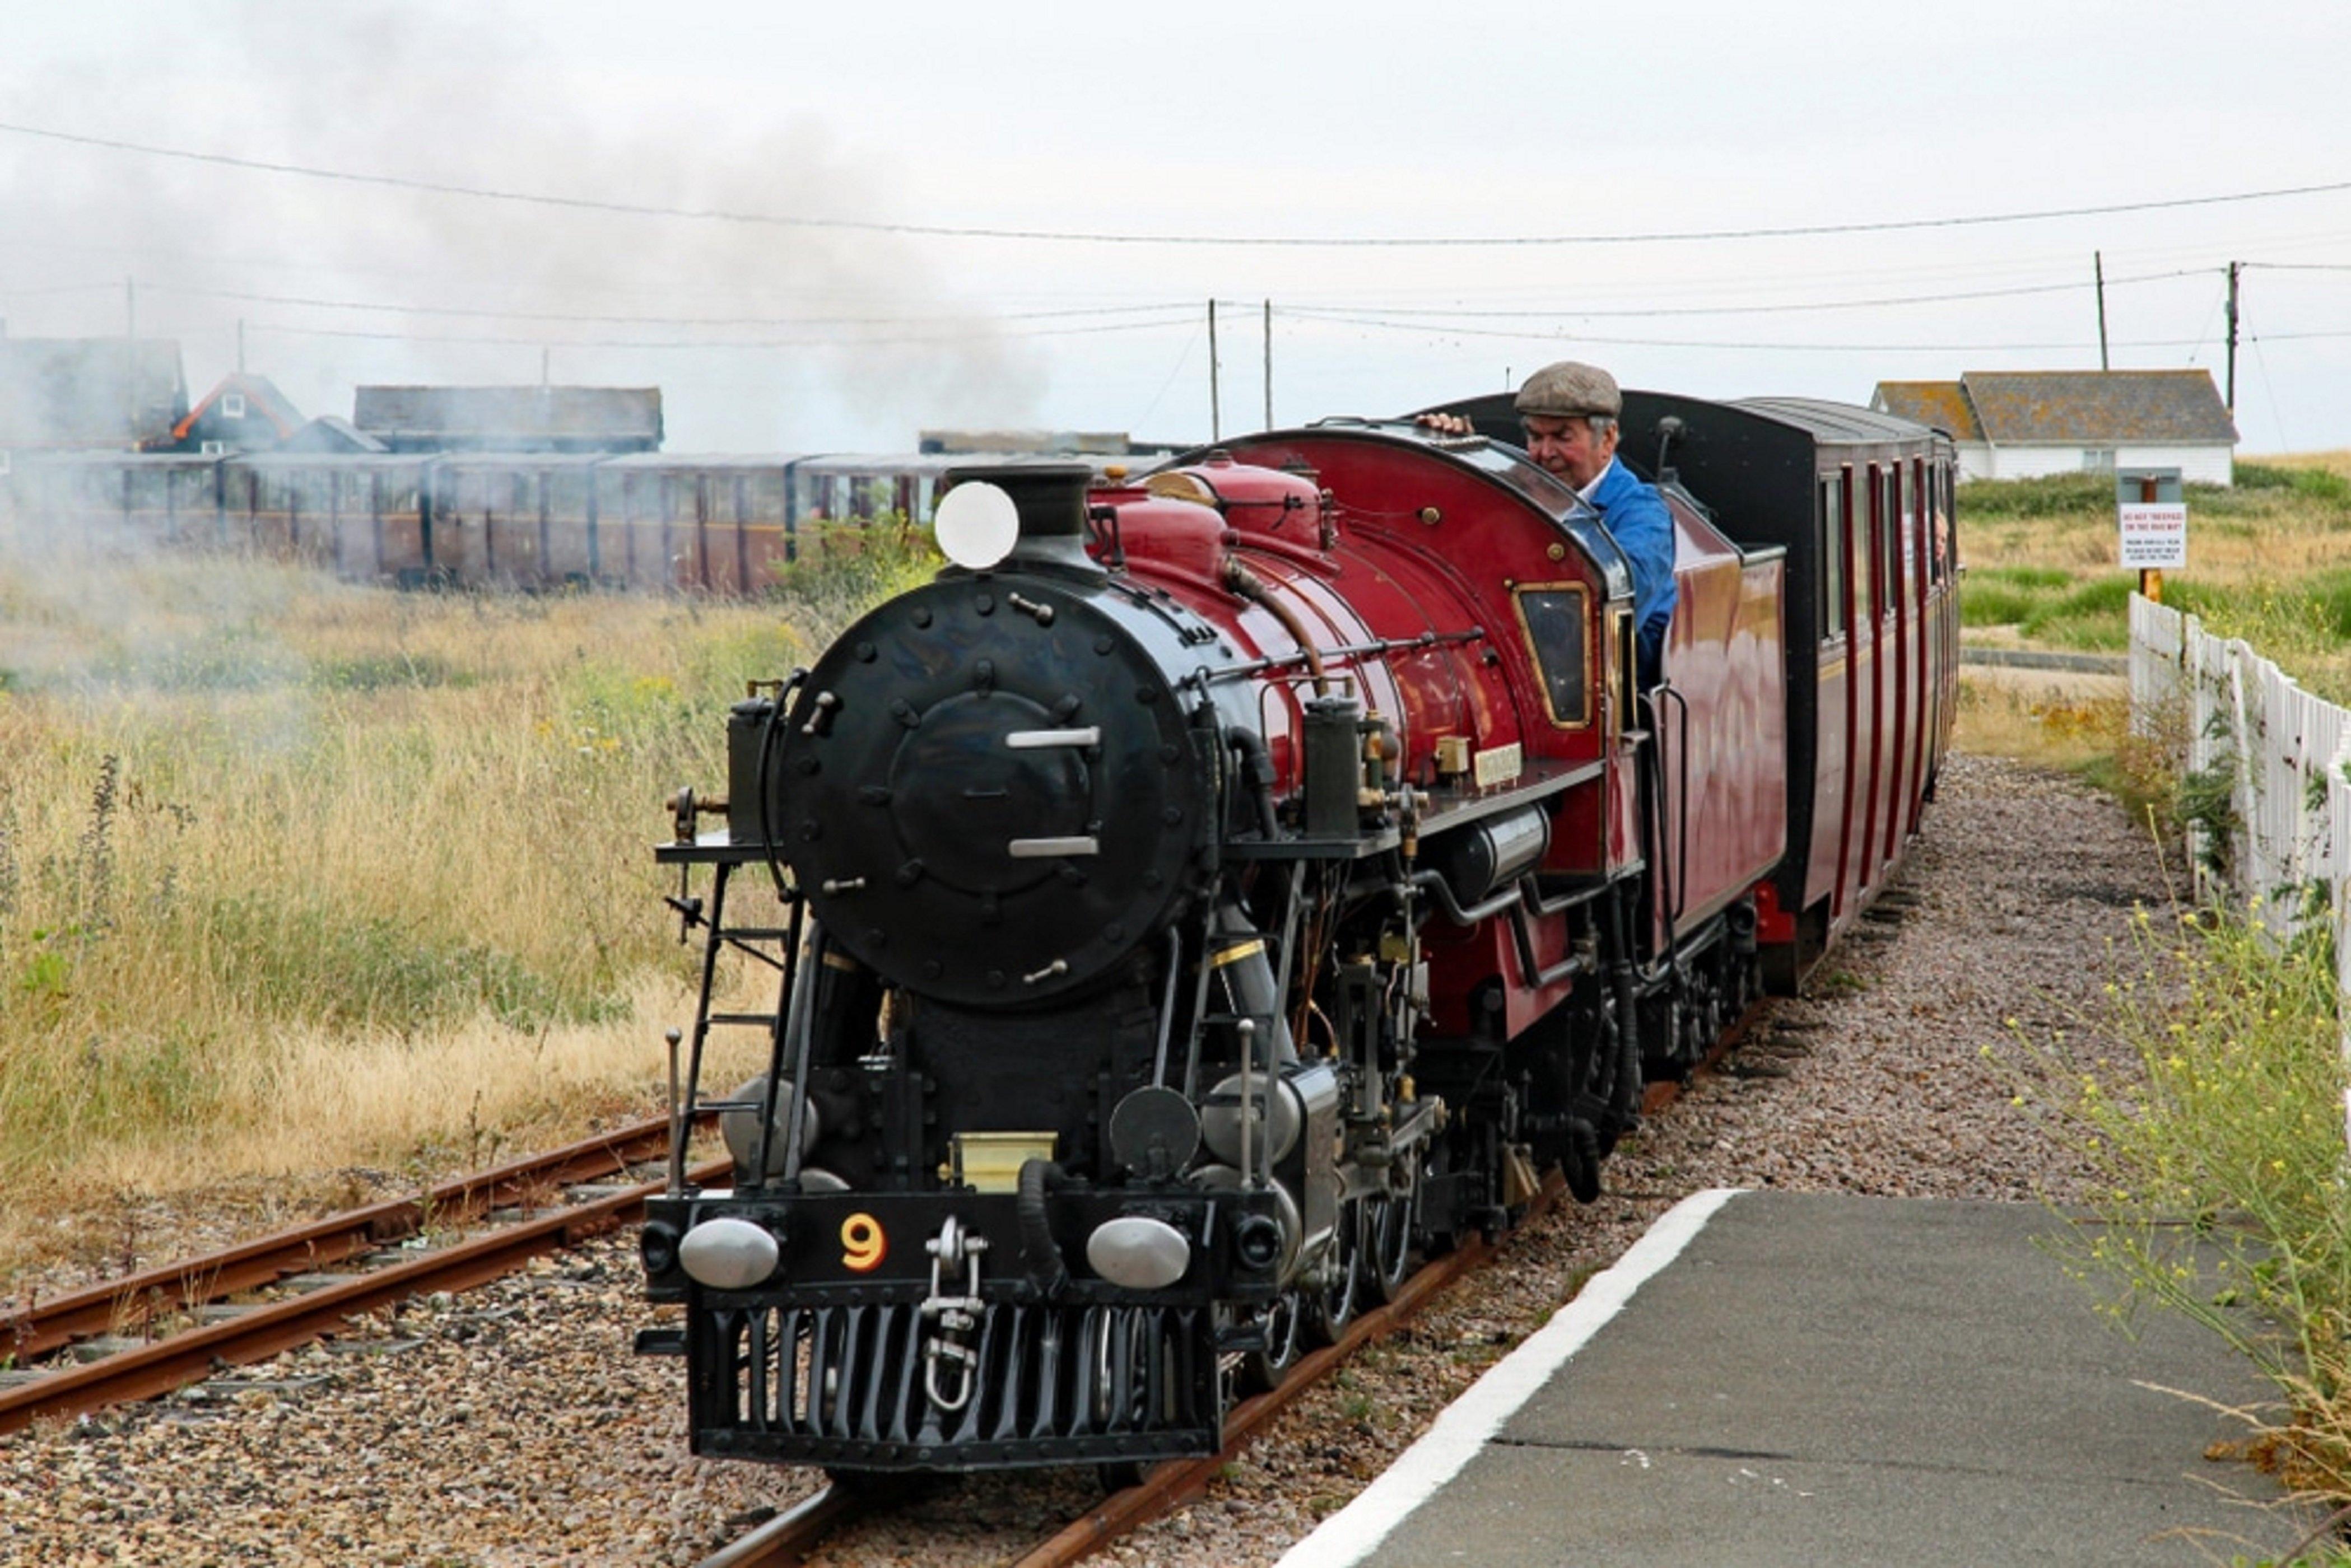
x=1269 y=364
x=2233 y=267
x=130 y=355
x=1216 y=414
x=240 y=345
x=2098 y=267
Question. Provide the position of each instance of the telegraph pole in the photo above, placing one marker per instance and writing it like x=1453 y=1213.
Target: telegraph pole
x=1269 y=364
x=1216 y=414
x=2233 y=269
x=2098 y=265
x=130 y=355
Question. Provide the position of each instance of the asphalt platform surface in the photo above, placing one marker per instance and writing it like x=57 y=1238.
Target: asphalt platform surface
x=1808 y=1380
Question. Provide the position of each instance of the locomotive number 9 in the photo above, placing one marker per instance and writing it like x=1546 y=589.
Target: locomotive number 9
x=862 y=1244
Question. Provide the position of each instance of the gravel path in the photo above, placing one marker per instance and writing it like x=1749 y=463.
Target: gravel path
x=511 y=1426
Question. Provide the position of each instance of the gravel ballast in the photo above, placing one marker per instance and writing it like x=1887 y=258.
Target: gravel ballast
x=512 y=1425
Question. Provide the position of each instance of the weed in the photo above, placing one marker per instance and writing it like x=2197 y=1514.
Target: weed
x=2225 y=1112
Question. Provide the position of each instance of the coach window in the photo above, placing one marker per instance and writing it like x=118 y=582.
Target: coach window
x=1947 y=537
x=1933 y=505
x=1832 y=573
x=1889 y=536
x=1861 y=490
x=1912 y=502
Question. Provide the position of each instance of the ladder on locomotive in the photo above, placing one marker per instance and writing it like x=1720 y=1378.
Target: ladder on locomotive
x=769 y=945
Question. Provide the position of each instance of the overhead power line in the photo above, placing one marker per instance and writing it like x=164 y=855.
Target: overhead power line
x=1071 y=236
x=1432 y=329
x=1336 y=312
x=603 y=320
x=977 y=331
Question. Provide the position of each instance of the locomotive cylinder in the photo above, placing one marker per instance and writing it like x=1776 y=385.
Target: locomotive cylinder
x=1481 y=857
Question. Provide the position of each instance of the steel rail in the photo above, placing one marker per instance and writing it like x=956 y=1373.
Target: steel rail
x=164 y=1364
x=786 y=1540
x=135 y=1301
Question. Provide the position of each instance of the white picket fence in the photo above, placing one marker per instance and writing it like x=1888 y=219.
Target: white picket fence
x=2289 y=757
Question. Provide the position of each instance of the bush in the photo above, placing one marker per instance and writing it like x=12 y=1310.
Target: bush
x=2094 y=616
x=2216 y=1130
x=2056 y=494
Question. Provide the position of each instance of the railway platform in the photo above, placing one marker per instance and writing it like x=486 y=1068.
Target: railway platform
x=1812 y=1379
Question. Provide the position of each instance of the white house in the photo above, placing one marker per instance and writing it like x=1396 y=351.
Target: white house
x=2015 y=424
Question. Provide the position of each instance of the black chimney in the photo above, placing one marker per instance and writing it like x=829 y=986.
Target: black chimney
x=1051 y=498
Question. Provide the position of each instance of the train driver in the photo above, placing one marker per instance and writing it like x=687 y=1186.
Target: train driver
x=1568 y=412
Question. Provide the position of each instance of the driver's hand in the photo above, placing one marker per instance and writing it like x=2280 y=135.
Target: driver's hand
x=1444 y=424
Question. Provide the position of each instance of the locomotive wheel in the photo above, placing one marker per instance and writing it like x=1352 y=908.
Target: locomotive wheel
x=1385 y=1257
x=1330 y=1310
x=1117 y=1475
x=1263 y=1370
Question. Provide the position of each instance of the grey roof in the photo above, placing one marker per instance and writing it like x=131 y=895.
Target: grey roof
x=512 y=419
x=1939 y=405
x=331 y=433
x=964 y=442
x=90 y=391
x=2101 y=408
x=2067 y=408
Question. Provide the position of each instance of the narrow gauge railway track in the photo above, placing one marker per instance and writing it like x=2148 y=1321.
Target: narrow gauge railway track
x=122 y=1327
x=788 y=1540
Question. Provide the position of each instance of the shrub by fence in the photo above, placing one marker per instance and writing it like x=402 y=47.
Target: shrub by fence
x=2266 y=780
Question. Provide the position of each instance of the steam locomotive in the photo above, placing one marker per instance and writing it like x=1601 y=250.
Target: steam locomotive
x=1227 y=882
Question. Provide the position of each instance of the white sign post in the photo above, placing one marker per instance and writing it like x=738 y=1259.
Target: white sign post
x=2154 y=533
x=2151 y=520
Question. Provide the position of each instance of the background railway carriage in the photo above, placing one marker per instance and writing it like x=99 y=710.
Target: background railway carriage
x=522 y=520
x=364 y=516
x=126 y=500
x=715 y=524
x=1227 y=879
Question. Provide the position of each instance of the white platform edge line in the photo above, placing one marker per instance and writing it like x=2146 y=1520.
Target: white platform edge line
x=1348 y=1536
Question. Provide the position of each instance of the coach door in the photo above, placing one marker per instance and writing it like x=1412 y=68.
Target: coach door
x=1902 y=622
x=1855 y=839
x=1833 y=688
x=1919 y=546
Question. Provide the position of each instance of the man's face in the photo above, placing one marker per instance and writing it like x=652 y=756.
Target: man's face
x=1568 y=448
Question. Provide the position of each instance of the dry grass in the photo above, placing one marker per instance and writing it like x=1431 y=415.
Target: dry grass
x=295 y=874
x=2269 y=561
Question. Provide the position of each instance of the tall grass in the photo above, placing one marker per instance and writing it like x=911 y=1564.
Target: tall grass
x=2216 y=1128
x=262 y=833
x=2269 y=560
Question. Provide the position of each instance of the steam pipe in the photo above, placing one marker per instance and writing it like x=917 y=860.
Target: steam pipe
x=1432 y=881
x=1246 y=585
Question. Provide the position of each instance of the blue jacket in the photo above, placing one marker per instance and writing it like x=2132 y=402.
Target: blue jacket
x=1637 y=520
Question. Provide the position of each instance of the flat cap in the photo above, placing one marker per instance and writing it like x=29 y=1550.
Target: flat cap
x=1570 y=390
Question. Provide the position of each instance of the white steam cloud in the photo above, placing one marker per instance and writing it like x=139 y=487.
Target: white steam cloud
x=474 y=98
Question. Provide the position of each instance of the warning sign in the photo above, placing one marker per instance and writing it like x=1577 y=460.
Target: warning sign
x=2154 y=533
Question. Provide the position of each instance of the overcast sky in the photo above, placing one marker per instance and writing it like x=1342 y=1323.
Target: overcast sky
x=1366 y=121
